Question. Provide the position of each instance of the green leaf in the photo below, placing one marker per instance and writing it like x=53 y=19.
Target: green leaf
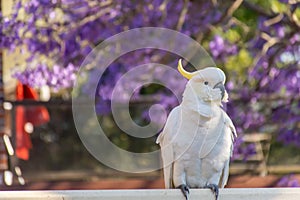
x=297 y=13
x=232 y=36
x=278 y=7
x=239 y=62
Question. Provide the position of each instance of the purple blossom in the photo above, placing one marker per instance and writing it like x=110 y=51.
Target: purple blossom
x=220 y=49
x=57 y=77
x=243 y=151
x=288 y=181
x=279 y=31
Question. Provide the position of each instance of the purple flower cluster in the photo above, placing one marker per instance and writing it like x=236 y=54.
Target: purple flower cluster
x=41 y=75
x=221 y=49
x=288 y=181
x=243 y=151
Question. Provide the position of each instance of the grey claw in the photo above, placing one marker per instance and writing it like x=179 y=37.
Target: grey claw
x=185 y=190
x=214 y=188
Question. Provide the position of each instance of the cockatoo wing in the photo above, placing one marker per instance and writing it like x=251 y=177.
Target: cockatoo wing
x=229 y=129
x=225 y=174
x=230 y=125
x=168 y=166
x=165 y=141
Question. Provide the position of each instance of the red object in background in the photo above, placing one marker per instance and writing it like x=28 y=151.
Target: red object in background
x=37 y=115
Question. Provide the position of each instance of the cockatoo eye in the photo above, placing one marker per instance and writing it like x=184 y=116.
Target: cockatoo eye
x=205 y=82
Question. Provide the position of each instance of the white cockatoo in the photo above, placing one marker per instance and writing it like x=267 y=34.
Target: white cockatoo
x=197 y=140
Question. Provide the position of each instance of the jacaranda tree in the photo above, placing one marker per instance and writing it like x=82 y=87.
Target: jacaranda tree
x=255 y=42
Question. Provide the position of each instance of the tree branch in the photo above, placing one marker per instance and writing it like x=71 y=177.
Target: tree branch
x=163 y=9
x=273 y=20
x=233 y=8
x=182 y=15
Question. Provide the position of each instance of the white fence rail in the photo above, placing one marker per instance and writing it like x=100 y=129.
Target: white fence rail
x=161 y=194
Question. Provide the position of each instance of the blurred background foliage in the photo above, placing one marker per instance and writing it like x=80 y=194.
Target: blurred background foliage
x=255 y=42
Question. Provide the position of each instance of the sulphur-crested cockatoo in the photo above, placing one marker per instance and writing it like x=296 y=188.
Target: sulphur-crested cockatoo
x=197 y=140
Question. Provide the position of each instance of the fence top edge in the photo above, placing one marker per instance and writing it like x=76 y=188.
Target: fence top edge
x=230 y=190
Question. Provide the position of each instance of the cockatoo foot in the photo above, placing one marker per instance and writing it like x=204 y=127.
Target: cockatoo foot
x=214 y=188
x=185 y=190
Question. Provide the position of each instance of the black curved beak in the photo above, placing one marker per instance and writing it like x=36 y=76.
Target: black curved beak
x=221 y=87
